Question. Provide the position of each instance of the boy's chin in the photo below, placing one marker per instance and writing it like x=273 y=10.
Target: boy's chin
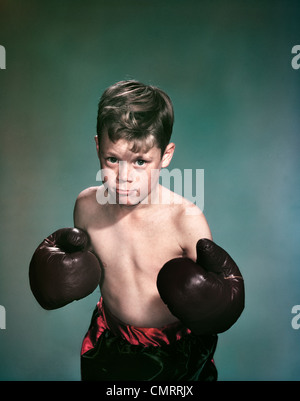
x=128 y=200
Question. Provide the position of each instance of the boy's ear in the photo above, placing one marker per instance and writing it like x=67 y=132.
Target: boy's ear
x=97 y=144
x=168 y=154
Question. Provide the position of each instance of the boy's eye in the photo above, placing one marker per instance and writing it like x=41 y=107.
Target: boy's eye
x=112 y=160
x=140 y=162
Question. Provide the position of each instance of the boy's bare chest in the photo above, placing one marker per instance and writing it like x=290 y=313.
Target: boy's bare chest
x=141 y=245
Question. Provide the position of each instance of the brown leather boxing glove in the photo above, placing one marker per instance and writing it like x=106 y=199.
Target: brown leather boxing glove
x=62 y=269
x=207 y=296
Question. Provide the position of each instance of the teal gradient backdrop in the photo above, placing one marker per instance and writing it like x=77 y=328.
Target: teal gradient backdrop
x=227 y=68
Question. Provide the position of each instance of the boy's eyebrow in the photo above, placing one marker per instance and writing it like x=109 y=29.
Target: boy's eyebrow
x=143 y=156
x=136 y=156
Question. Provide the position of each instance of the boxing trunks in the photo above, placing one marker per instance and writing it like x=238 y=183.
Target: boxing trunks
x=113 y=350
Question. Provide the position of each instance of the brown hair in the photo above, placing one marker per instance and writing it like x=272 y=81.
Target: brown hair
x=139 y=113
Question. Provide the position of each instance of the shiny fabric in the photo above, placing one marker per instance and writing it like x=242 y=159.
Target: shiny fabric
x=103 y=319
x=112 y=350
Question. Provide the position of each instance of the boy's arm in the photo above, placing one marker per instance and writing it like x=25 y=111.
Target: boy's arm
x=192 y=226
x=78 y=215
x=81 y=208
x=62 y=268
x=205 y=289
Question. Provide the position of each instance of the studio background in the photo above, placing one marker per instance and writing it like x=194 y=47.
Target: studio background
x=227 y=68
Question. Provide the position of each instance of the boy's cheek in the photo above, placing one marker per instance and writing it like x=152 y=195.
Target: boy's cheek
x=108 y=176
x=137 y=179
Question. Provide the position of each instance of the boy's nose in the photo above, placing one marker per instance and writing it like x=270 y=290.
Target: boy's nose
x=124 y=173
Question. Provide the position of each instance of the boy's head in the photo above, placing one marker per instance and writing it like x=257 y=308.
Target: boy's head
x=139 y=113
x=134 y=127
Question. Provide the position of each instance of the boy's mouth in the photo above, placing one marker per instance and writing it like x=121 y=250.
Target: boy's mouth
x=121 y=191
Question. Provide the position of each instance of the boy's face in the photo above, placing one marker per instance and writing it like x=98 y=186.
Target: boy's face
x=130 y=177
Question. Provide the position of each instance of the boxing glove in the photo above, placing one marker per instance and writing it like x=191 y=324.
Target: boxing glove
x=62 y=269
x=207 y=296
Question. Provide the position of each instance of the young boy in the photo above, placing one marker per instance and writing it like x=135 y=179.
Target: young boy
x=166 y=288
x=135 y=232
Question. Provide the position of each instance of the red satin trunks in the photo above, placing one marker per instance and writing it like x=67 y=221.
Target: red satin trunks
x=113 y=350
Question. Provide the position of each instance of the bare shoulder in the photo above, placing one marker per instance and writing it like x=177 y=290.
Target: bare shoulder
x=191 y=224
x=87 y=196
x=85 y=205
x=191 y=218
